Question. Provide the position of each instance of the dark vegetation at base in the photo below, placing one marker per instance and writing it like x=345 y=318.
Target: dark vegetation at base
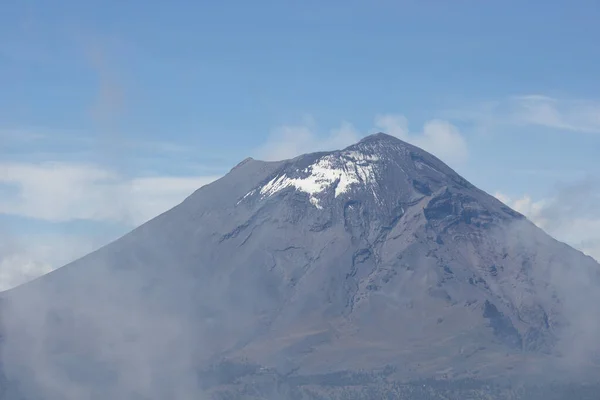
x=267 y=384
x=409 y=391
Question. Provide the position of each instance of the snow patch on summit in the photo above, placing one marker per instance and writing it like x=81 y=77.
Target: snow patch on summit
x=343 y=170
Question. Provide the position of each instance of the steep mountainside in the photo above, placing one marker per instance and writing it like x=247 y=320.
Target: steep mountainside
x=339 y=272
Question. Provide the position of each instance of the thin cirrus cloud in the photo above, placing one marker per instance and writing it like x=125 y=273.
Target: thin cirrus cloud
x=534 y=110
x=570 y=115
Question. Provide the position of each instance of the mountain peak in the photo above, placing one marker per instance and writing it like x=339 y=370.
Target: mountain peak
x=379 y=167
x=388 y=147
x=379 y=136
x=381 y=140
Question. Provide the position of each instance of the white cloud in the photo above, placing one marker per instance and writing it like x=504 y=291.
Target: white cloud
x=68 y=191
x=56 y=191
x=27 y=257
x=154 y=195
x=59 y=192
x=438 y=137
x=292 y=140
x=533 y=210
x=19 y=268
x=571 y=215
x=75 y=188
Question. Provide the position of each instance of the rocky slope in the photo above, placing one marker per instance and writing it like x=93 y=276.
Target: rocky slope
x=377 y=259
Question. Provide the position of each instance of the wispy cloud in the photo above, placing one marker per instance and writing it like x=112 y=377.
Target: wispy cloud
x=110 y=99
x=572 y=115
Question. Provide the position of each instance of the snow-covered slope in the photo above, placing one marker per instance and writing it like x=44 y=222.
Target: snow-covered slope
x=378 y=257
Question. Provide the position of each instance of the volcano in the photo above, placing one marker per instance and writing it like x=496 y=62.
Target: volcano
x=371 y=271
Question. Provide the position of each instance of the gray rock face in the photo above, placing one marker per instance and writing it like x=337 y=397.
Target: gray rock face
x=378 y=257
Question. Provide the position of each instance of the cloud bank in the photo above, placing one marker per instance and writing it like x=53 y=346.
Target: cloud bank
x=58 y=193
x=70 y=191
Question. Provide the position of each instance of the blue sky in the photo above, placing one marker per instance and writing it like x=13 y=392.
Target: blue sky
x=111 y=111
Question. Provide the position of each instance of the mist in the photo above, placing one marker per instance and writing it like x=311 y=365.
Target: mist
x=568 y=289
x=96 y=331
x=100 y=333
